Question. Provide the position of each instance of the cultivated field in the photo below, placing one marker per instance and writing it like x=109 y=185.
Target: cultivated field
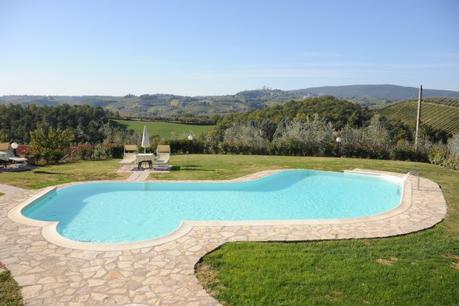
x=439 y=114
x=166 y=130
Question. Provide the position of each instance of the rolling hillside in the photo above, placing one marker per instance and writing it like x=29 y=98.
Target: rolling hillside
x=166 y=130
x=383 y=92
x=438 y=113
x=173 y=106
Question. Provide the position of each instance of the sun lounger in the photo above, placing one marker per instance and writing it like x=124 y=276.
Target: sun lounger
x=18 y=159
x=7 y=156
x=163 y=154
x=4 y=158
x=4 y=146
x=129 y=158
x=130 y=152
x=131 y=148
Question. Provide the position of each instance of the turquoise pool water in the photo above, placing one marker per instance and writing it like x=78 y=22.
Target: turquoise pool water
x=128 y=212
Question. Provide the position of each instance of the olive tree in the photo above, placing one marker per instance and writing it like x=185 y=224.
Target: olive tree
x=50 y=144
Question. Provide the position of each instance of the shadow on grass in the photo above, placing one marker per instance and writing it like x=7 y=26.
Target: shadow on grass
x=190 y=166
x=48 y=172
x=18 y=169
x=203 y=170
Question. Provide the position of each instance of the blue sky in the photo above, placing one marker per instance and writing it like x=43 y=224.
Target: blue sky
x=221 y=47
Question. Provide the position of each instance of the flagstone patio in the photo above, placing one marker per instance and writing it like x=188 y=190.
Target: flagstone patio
x=164 y=274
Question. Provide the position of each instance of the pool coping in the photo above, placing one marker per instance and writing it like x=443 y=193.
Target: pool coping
x=50 y=233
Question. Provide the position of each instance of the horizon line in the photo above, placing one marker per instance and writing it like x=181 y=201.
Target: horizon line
x=214 y=95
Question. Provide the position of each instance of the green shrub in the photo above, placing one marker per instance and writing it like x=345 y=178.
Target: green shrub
x=237 y=147
x=407 y=152
x=50 y=144
x=452 y=163
x=116 y=151
x=437 y=154
x=100 y=152
x=53 y=156
x=183 y=146
x=364 y=151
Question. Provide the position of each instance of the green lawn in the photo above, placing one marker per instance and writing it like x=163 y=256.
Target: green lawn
x=165 y=129
x=1 y=194
x=63 y=173
x=412 y=270
x=10 y=294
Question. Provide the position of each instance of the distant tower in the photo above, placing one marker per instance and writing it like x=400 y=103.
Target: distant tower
x=418 y=119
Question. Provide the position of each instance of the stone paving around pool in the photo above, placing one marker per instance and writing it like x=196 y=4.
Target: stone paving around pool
x=164 y=274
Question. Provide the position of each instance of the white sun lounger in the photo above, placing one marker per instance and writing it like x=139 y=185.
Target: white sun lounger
x=129 y=158
x=7 y=156
x=130 y=153
x=163 y=153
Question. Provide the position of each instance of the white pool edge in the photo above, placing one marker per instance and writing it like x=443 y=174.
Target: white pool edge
x=50 y=233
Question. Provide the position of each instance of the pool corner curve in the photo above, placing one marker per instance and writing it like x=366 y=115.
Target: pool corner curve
x=15 y=214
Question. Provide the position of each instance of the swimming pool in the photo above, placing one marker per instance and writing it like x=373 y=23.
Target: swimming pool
x=122 y=212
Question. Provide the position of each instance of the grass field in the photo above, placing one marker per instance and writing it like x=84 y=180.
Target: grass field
x=416 y=269
x=64 y=173
x=10 y=294
x=165 y=129
x=441 y=115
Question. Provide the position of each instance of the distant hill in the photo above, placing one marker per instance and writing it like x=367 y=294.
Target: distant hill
x=439 y=113
x=170 y=106
x=378 y=92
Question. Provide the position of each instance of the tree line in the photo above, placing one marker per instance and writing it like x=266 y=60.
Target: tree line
x=57 y=132
x=86 y=123
x=341 y=113
x=323 y=126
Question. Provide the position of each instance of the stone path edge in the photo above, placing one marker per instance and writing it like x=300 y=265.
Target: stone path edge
x=49 y=228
